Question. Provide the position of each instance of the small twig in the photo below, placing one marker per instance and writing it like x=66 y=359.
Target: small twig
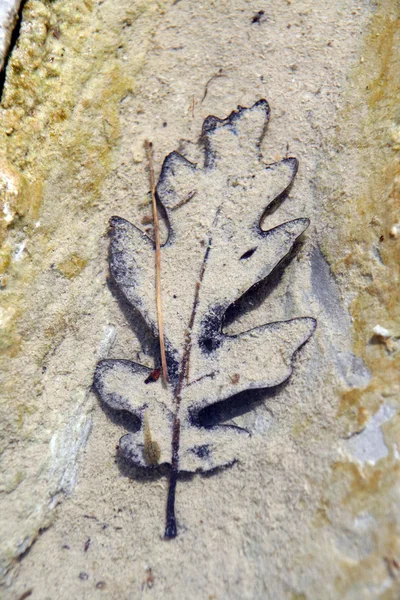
x=149 y=151
x=215 y=76
x=185 y=200
x=212 y=375
x=193 y=105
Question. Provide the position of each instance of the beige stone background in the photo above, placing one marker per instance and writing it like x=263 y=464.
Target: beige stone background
x=311 y=510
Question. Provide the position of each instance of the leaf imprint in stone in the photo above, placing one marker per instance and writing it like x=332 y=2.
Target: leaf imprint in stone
x=215 y=252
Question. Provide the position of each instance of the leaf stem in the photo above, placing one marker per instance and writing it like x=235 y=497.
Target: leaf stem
x=149 y=151
x=170 y=529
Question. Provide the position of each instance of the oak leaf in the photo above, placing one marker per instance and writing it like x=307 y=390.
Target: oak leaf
x=215 y=252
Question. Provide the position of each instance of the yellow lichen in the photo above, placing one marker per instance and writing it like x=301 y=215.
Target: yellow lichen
x=365 y=256
x=58 y=117
x=71 y=267
x=363 y=250
x=10 y=340
x=17 y=199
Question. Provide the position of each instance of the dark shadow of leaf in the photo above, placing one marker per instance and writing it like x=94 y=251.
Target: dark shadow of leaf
x=235 y=406
x=258 y=293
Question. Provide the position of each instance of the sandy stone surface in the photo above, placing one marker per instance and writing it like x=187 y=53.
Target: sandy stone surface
x=310 y=510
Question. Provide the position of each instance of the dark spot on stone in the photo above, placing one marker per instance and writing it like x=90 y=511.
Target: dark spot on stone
x=258 y=17
x=210 y=338
x=201 y=451
x=26 y=594
x=248 y=253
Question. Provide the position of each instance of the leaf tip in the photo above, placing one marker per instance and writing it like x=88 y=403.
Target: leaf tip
x=293 y=164
x=212 y=122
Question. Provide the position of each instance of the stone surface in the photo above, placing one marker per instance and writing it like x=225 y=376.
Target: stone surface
x=313 y=502
x=8 y=18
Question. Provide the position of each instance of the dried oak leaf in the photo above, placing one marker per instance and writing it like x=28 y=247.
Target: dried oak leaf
x=215 y=252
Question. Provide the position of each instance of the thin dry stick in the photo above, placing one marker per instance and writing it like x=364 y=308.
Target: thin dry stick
x=149 y=151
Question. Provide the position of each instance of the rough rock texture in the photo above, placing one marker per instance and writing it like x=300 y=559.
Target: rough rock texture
x=313 y=503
